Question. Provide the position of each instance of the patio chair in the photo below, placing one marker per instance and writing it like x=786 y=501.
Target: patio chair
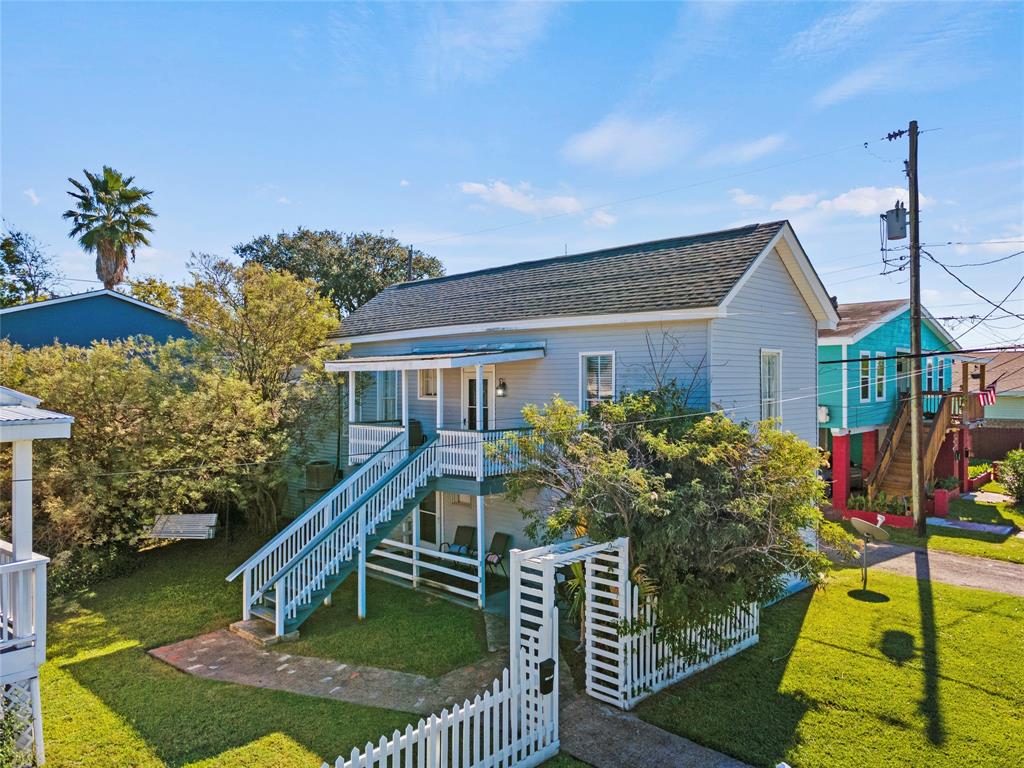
x=501 y=543
x=463 y=543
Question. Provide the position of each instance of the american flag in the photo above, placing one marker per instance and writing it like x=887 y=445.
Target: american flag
x=987 y=396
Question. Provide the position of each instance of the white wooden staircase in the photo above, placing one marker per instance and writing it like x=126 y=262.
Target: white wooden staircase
x=298 y=570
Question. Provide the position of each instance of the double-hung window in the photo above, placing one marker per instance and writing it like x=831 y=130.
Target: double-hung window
x=771 y=384
x=865 y=377
x=929 y=376
x=597 y=378
x=880 y=377
x=428 y=384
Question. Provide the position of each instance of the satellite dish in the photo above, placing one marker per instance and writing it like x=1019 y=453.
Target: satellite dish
x=870 y=530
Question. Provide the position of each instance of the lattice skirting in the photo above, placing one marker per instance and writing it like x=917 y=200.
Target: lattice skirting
x=16 y=709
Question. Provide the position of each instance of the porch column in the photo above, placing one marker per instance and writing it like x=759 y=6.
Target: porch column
x=964 y=441
x=481 y=550
x=415 y=547
x=351 y=397
x=869 y=450
x=945 y=462
x=405 y=399
x=21 y=499
x=440 y=397
x=840 y=471
x=480 y=394
x=351 y=411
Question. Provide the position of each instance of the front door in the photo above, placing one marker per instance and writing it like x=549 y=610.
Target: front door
x=469 y=398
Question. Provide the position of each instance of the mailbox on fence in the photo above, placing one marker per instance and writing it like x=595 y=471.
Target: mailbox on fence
x=547 y=676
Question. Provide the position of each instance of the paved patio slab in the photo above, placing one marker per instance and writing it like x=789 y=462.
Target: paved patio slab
x=224 y=656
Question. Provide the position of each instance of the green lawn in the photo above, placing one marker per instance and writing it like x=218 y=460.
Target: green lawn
x=106 y=702
x=1009 y=548
x=905 y=675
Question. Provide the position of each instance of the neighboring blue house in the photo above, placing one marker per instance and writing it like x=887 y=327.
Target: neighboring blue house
x=860 y=402
x=83 y=318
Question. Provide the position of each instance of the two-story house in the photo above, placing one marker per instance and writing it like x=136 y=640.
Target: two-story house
x=863 y=384
x=440 y=368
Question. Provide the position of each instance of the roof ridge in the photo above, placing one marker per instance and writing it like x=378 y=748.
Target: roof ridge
x=584 y=255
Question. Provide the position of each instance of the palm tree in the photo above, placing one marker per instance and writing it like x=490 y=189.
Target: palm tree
x=110 y=218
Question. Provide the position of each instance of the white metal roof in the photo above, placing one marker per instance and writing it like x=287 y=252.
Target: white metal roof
x=421 y=360
x=21 y=419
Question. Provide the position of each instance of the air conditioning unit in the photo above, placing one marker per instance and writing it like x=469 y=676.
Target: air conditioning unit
x=823 y=414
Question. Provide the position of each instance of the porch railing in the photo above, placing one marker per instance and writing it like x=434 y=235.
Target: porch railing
x=365 y=439
x=466 y=453
x=446 y=571
x=22 y=613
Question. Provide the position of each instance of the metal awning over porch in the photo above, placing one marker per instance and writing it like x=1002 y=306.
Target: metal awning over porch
x=427 y=360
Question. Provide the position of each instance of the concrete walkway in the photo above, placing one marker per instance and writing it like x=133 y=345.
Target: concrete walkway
x=609 y=738
x=948 y=568
x=223 y=655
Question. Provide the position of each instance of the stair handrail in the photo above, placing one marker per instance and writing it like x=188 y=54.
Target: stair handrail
x=887 y=451
x=937 y=434
x=352 y=509
x=390 y=450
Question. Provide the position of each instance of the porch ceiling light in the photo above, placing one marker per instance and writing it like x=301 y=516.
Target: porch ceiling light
x=500 y=389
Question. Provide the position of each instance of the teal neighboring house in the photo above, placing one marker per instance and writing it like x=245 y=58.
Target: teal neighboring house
x=859 y=400
x=82 y=318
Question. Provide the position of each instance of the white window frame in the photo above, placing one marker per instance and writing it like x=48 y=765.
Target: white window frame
x=903 y=353
x=439 y=518
x=929 y=375
x=880 y=381
x=583 y=377
x=865 y=356
x=419 y=383
x=469 y=374
x=761 y=383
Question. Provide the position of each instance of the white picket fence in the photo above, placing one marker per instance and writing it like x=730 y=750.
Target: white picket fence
x=653 y=666
x=623 y=668
x=494 y=730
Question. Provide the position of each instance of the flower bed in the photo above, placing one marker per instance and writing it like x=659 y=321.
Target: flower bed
x=983 y=479
x=880 y=518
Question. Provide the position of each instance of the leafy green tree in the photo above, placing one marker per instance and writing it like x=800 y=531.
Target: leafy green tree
x=155 y=291
x=27 y=271
x=350 y=269
x=265 y=323
x=111 y=218
x=716 y=511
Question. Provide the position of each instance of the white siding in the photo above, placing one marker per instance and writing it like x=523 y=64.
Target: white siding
x=767 y=313
x=677 y=349
x=500 y=515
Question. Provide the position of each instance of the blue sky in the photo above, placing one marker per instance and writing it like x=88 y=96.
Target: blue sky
x=492 y=133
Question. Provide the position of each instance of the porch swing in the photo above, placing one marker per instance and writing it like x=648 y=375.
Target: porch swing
x=186 y=526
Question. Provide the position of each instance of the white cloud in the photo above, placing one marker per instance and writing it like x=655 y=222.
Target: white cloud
x=473 y=41
x=522 y=198
x=284 y=200
x=602 y=218
x=790 y=203
x=32 y=196
x=404 y=183
x=836 y=30
x=736 y=154
x=744 y=199
x=888 y=72
x=631 y=145
x=868 y=201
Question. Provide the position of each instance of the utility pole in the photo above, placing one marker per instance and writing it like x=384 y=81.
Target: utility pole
x=916 y=405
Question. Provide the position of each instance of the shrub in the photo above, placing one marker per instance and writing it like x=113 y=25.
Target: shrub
x=950 y=483
x=976 y=470
x=1012 y=469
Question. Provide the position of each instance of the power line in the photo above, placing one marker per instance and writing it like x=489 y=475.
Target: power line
x=969 y=288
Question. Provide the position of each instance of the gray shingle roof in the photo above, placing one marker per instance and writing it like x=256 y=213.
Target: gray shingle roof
x=859 y=316
x=678 y=273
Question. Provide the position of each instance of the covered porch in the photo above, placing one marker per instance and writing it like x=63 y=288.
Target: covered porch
x=461 y=397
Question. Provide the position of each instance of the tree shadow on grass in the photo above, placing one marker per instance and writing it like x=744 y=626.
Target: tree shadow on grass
x=738 y=706
x=185 y=719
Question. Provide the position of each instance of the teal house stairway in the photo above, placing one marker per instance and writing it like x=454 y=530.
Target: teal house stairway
x=299 y=569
